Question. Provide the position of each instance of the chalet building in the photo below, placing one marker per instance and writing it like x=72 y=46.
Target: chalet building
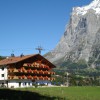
x=23 y=71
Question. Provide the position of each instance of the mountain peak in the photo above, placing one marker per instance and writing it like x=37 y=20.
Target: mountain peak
x=94 y=5
x=81 y=39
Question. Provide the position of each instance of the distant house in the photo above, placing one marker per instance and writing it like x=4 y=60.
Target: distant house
x=23 y=71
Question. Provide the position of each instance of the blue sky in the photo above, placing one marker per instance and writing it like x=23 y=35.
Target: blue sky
x=27 y=24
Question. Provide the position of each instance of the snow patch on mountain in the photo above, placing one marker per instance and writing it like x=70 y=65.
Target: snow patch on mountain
x=94 y=5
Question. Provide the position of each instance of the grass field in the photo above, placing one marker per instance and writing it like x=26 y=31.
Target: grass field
x=68 y=93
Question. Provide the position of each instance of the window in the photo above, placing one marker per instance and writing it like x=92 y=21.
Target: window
x=19 y=84
x=2 y=68
x=25 y=83
x=2 y=75
x=28 y=83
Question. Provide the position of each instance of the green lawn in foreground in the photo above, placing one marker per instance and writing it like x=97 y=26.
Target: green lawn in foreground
x=68 y=93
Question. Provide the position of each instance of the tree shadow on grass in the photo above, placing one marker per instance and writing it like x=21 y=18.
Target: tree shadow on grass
x=8 y=94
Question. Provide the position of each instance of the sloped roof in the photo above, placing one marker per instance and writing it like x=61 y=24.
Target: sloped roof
x=12 y=60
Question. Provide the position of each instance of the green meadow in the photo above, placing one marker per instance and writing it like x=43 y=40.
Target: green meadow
x=68 y=93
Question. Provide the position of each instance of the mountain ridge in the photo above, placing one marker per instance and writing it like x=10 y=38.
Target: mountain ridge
x=94 y=5
x=81 y=39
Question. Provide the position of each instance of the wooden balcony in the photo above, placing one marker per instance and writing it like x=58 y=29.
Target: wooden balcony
x=41 y=72
x=47 y=72
x=29 y=71
x=45 y=78
x=17 y=77
x=36 y=65
x=29 y=77
x=49 y=78
x=53 y=73
x=35 y=71
x=27 y=64
x=52 y=78
x=10 y=70
x=45 y=67
x=35 y=78
x=15 y=70
x=10 y=77
x=22 y=70
x=41 y=78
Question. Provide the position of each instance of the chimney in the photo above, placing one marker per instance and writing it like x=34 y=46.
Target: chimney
x=21 y=55
x=12 y=55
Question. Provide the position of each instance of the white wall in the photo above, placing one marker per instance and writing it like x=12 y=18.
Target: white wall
x=23 y=83
x=3 y=72
x=46 y=82
x=26 y=83
x=15 y=83
x=12 y=83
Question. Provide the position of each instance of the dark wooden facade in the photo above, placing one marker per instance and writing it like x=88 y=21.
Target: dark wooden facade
x=33 y=67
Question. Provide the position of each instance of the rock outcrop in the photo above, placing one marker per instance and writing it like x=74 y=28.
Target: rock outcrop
x=81 y=39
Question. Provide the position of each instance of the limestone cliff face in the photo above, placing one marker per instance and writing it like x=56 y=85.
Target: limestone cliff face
x=81 y=38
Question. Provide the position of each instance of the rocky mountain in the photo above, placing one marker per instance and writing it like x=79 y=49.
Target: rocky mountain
x=81 y=39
